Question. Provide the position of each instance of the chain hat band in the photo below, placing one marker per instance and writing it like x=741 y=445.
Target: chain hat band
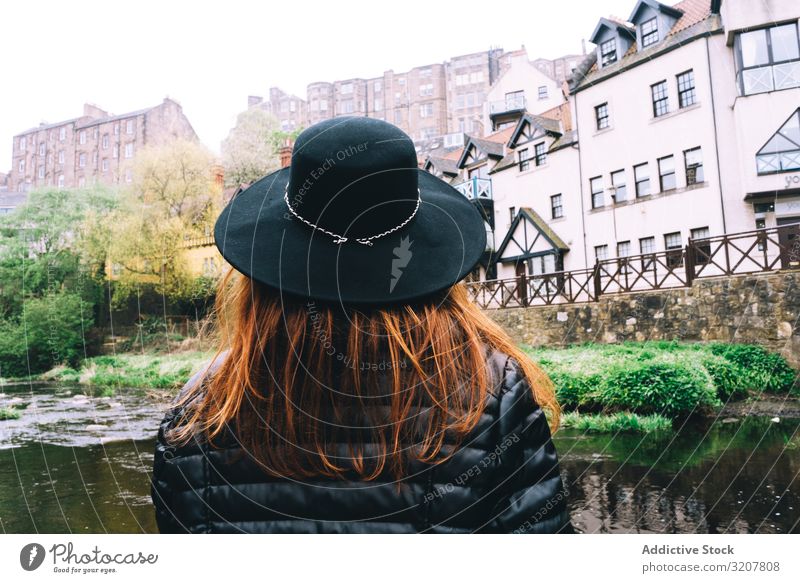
x=339 y=239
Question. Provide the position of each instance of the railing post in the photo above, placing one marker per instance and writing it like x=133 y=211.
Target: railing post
x=598 y=286
x=689 y=263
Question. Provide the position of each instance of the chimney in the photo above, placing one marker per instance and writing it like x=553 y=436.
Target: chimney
x=92 y=111
x=285 y=153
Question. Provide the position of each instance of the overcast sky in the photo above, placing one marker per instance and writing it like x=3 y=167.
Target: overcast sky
x=209 y=56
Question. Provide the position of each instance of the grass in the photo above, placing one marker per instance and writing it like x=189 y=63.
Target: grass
x=155 y=371
x=618 y=422
x=8 y=413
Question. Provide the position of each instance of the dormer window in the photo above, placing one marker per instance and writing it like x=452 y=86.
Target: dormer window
x=608 y=52
x=649 y=32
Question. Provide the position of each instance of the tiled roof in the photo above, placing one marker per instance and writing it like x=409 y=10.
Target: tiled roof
x=91 y=122
x=696 y=20
x=448 y=166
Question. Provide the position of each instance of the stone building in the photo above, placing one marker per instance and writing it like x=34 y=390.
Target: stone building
x=439 y=100
x=95 y=147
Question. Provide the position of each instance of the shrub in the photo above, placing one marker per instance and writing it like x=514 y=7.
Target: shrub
x=658 y=387
x=8 y=413
x=572 y=388
x=730 y=381
x=766 y=371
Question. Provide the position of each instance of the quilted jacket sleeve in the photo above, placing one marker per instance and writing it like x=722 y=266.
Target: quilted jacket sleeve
x=533 y=498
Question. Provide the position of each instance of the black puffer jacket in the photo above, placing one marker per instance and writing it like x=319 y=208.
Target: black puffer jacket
x=503 y=478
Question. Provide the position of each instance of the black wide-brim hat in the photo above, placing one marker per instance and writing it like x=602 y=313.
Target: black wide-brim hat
x=353 y=219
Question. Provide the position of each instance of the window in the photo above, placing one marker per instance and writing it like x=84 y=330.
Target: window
x=82 y=137
x=61 y=181
x=426 y=90
x=623 y=249
x=21 y=166
x=128 y=175
x=600 y=252
x=23 y=143
x=346 y=106
x=96 y=130
x=377 y=104
x=674 y=247
x=524 y=163
x=542 y=91
x=556 y=206
x=323 y=105
x=693 y=159
x=641 y=176
x=398 y=117
x=620 y=189
x=686 y=92
x=129 y=150
x=105 y=141
x=601 y=116
x=82 y=160
x=647 y=245
x=116 y=129
x=81 y=182
x=649 y=32
x=608 y=52
x=768 y=59
x=41 y=171
x=292 y=106
x=426 y=110
x=539 y=155
x=666 y=173
x=94 y=159
x=62 y=134
x=782 y=152
x=377 y=85
x=105 y=164
x=660 y=98
x=115 y=151
x=702 y=249
x=512 y=212
x=61 y=156
x=346 y=88
x=42 y=148
x=129 y=127
x=596 y=187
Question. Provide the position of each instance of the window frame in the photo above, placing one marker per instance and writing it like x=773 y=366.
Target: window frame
x=602 y=122
x=597 y=194
x=662 y=175
x=771 y=62
x=616 y=186
x=524 y=161
x=659 y=99
x=701 y=166
x=612 y=54
x=646 y=37
x=637 y=182
x=690 y=92
x=559 y=199
x=539 y=154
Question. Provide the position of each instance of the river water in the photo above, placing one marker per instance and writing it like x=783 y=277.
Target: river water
x=75 y=463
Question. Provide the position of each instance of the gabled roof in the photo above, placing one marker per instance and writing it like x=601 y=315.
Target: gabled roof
x=492 y=146
x=533 y=218
x=547 y=125
x=697 y=19
x=444 y=165
x=675 y=12
x=618 y=26
x=99 y=120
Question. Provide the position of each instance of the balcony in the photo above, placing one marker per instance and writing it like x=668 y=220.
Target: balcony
x=476 y=188
x=512 y=103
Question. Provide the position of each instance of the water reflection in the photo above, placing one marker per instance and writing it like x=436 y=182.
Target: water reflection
x=82 y=464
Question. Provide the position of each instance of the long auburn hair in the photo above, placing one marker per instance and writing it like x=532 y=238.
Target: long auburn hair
x=302 y=376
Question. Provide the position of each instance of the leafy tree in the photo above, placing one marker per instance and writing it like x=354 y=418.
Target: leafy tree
x=250 y=150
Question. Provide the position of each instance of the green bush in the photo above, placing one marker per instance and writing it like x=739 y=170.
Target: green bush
x=572 y=388
x=665 y=388
x=766 y=371
x=8 y=413
x=730 y=381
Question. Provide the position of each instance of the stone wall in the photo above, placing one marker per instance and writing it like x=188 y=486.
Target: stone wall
x=761 y=309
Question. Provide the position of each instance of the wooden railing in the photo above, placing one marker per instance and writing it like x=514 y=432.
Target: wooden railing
x=758 y=251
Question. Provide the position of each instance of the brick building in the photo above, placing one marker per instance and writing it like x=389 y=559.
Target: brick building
x=95 y=147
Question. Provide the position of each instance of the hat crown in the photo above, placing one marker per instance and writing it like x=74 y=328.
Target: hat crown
x=354 y=176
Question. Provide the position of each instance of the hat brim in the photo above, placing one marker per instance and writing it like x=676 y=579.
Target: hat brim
x=444 y=241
